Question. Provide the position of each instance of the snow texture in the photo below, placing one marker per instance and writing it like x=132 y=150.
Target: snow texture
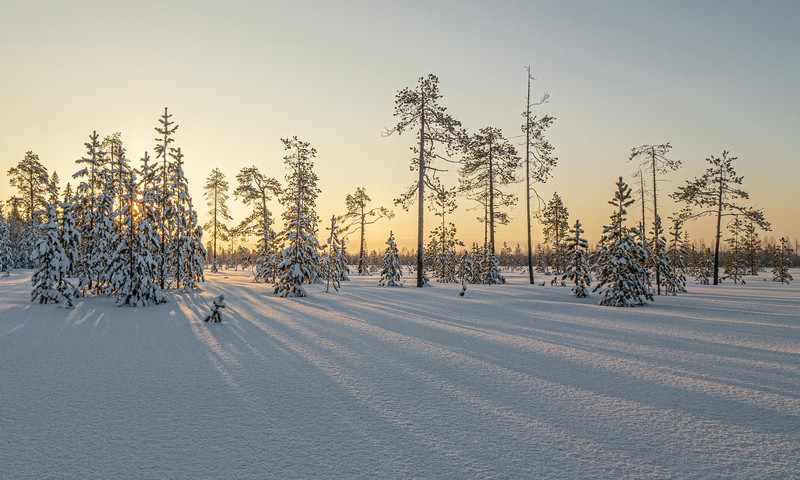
x=510 y=381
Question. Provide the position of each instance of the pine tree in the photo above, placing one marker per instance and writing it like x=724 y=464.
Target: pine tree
x=716 y=193
x=32 y=182
x=256 y=190
x=163 y=195
x=555 y=222
x=418 y=110
x=539 y=159
x=6 y=260
x=781 y=263
x=440 y=253
x=391 y=271
x=132 y=273
x=751 y=247
x=360 y=216
x=334 y=262
x=300 y=257
x=187 y=255
x=734 y=261
x=466 y=271
x=491 y=163
x=676 y=282
x=578 y=270
x=491 y=268
x=50 y=281
x=620 y=260
x=216 y=193
x=658 y=257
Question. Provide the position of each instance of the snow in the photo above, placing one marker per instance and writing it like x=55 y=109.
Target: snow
x=510 y=381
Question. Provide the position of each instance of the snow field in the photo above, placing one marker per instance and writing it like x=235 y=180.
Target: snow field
x=511 y=381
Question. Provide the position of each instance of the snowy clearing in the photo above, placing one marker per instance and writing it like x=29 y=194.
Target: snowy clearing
x=510 y=381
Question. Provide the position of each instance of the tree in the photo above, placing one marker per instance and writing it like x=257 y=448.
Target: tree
x=186 y=254
x=33 y=185
x=491 y=267
x=255 y=190
x=132 y=270
x=555 y=222
x=216 y=193
x=539 y=159
x=50 y=280
x=52 y=190
x=361 y=216
x=391 y=271
x=162 y=192
x=751 y=246
x=653 y=159
x=419 y=110
x=490 y=163
x=6 y=259
x=578 y=270
x=335 y=260
x=716 y=193
x=658 y=257
x=300 y=257
x=621 y=259
x=734 y=261
x=440 y=252
x=781 y=263
x=677 y=253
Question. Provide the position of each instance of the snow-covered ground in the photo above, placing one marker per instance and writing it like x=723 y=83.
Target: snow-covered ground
x=511 y=381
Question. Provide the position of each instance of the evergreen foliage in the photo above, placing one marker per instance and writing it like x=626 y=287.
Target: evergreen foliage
x=676 y=282
x=216 y=193
x=578 y=269
x=555 y=222
x=187 y=255
x=391 y=271
x=781 y=263
x=300 y=258
x=418 y=110
x=256 y=190
x=6 y=259
x=620 y=260
x=50 y=280
x=334 y=262
x=360 y=215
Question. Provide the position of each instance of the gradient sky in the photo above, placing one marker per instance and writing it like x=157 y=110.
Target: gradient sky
x=703 y=75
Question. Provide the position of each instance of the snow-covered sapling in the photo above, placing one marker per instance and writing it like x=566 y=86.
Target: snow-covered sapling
x=216 y=305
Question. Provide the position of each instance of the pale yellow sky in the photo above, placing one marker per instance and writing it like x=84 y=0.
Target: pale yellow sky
x=239 y=76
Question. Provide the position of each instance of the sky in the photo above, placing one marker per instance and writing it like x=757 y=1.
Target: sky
x=238 y=76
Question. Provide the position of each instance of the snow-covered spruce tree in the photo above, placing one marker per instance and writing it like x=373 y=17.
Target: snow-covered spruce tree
x=555 y=226
x=50 y=280
x=734 y=261
x=751 y=246
x=578 y=270
x=391 y=271
x=418 y=110
x=658 y=257
x=466 y=268
x=440 y=253
x=491 y=269
x=621 y=259
x=360 y=215
x=255 y=190
x=187 y=256
x=216 y=193
x=31 y=234
x=97 y=254
x=133 y=269
x=781 y=263
x=6 y=260
x=334 y=263
x=704 y=269
x=93 y=182
x=300 y=258
x=676 y=282
x=164 y=196
x=539 y=160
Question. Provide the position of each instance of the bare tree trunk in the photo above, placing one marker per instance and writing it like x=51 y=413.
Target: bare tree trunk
x=528 y=176
x=719 y=229
x=491 y=197
x=363 y=241
x=421 y=198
